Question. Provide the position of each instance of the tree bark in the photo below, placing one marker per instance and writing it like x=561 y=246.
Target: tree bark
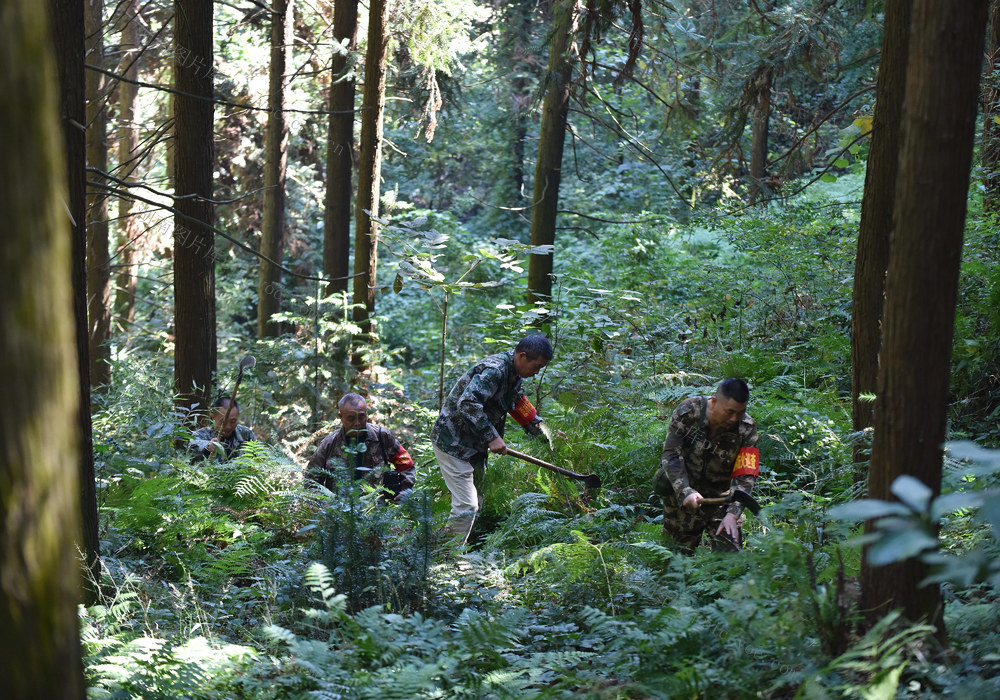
x=98 y=258
x=876 y=218
x=939 y=124
x=129 y=225
x=548 y=168
x=369 y=173
x=340 y=148
x=68 y=27
x=991 y=113
x=39 y=506
x=194 y=241
x=275 y=167
x=761 y=124
x=518 y=30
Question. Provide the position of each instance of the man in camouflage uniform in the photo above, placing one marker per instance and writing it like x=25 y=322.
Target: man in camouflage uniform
x=371 y=451
x=709 y=450
x=224 y=440
x=471 y=424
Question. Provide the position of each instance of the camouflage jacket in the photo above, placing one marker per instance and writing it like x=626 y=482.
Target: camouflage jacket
x=694 y=460
x=474 y=413
x=380 y=460
x=202 y=438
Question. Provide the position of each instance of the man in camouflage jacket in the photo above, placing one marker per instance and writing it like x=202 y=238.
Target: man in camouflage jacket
x=709 y=450
x=227 y=440
x=471 y=423
x=370 y=451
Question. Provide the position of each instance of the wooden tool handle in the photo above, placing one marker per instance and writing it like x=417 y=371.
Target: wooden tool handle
x=591 y=480
x=534 y=460
x=725 y=498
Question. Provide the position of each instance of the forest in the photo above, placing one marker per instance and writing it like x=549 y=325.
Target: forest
x=289 y=201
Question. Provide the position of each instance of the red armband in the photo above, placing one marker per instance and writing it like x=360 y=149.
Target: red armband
x=402 y=461
x=523 y=412
x=747 y=462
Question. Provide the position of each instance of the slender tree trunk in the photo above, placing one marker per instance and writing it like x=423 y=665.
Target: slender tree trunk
x=369 y=172
x=761 y=125
x=98 y=258
x=340 y=148
x=39 y=506
x=939 y=124
x=129 y=225
x=519 y=33
x=273 y=229
x=68 y=27
x=876 y=217
x=991 y=112
x=194 y=241
x=548 y=168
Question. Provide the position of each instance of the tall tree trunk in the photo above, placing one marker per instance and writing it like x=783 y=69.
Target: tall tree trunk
x=194 y=241
x=340 y=148
x=129 y=225
x=39 y=509
x=939 y=124
x=272 y=242
x=98 y=258
x=876 y=218
x=369 y=172
x=68 y=27
x=548 y=168
x=518 y=30
x=761 y=124
x=991 y=110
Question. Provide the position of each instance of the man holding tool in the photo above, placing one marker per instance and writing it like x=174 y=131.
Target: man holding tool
x=225 y=436
x=370 y=451
x=709 y=467
x=471 y=424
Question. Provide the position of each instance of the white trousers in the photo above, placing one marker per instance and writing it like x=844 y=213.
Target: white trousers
x=465 y=483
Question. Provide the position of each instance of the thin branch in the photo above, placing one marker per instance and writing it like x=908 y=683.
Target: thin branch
x=820 y=174
x=227 y=103
x=614 y=221
x=234 y=241
x=820 y=123
x=144 y=186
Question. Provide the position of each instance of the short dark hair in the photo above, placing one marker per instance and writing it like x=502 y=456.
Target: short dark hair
x=351 y=400
x=534 y=345
x=224 y=401
x=734 y=388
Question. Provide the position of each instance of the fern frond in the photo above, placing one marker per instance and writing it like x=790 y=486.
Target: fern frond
x=320 y=581
x=275 y=633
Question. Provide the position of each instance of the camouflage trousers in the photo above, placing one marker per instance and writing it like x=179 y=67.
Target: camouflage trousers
x=686 y=527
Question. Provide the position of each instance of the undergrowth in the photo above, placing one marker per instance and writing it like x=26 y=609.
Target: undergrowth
x=241 y=580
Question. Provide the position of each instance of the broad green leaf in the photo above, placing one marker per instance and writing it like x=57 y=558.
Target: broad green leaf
x=841 y=162
x=913 y=492
x=968 y=450
x=884 y=685
x=898 y=546
x=828 y=177
x=950 y=502
x=865 y=509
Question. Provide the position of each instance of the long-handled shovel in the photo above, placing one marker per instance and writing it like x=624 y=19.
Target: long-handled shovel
x=591 y=481
x=246 y=363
